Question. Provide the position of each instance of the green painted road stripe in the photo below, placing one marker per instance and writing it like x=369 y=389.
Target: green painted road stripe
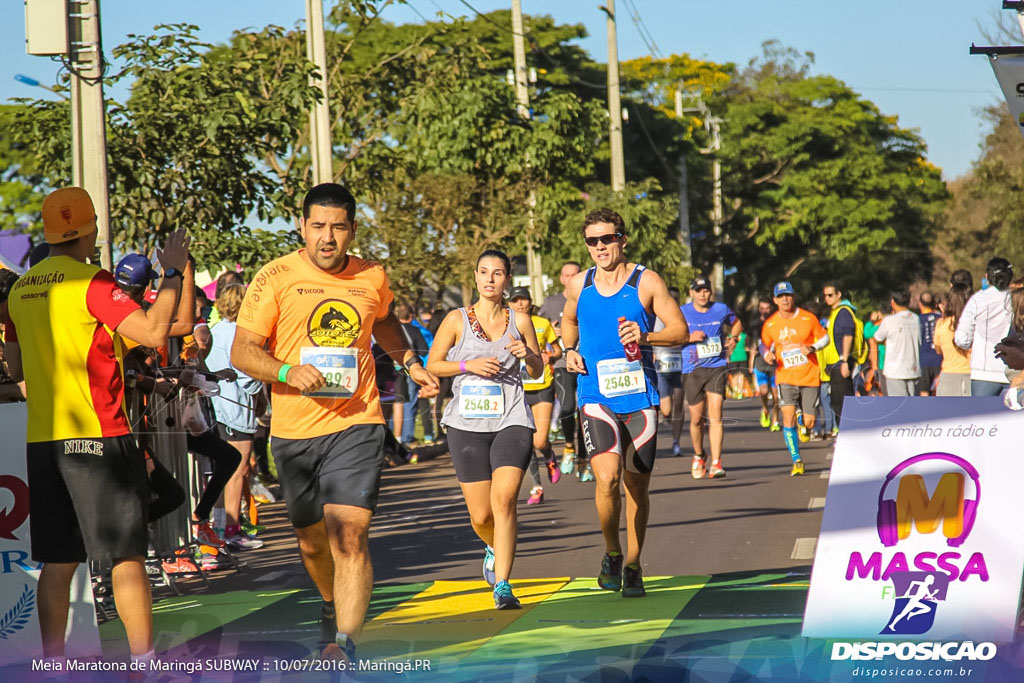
x=580 y=623
x=181 y=618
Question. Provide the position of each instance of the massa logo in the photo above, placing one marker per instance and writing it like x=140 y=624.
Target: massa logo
x=334 y=323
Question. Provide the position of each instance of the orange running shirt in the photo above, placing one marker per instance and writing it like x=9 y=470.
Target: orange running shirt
x=784 y=337
x=64 y=313
x=297 y=306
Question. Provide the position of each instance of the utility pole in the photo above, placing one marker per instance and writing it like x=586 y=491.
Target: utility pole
x=718 y=270
x=88 y=116
x=614 y=104
x=684 y=198
x=534 y=268
x=320 y=146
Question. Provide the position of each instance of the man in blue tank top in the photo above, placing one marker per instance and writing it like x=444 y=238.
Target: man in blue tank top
x=714 y=329
x=608 y=332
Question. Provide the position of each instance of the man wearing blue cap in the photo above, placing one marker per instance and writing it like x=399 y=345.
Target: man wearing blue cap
x=714 y=329
x=789 y=339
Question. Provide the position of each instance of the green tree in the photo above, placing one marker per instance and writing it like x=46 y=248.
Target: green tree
x=22 y=187
x=818 y=182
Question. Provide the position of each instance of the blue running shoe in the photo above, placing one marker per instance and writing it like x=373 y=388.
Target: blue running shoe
x=489 y=566
x=610 y=577
x=503 y=598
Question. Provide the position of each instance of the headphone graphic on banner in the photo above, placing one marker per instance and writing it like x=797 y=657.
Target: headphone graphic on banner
x=888 y=527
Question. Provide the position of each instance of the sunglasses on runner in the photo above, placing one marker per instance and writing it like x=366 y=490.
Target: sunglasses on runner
x=602 y=239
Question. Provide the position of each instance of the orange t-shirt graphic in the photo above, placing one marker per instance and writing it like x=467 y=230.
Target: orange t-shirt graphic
x=311 y=316
x=785 y=337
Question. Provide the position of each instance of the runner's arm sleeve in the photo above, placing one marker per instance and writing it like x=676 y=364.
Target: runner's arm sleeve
x=107 y=302
x=386 y=296
x=260 y=306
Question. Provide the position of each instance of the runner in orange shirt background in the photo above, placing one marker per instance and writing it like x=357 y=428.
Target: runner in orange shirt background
x=789 y=339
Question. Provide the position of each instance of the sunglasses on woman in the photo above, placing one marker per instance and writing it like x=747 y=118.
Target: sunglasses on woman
x=602 y=239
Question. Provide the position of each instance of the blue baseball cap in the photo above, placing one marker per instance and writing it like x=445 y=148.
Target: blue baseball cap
x=783 y=288
x=134 y=270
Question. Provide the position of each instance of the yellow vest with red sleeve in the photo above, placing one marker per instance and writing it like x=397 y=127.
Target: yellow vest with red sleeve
x=64 y=314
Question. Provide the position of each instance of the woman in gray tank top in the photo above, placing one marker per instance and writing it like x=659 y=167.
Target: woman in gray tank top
x=489 y=427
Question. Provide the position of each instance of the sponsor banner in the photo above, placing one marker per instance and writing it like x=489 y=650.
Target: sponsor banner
x=919 y=538
x=1009 y=70
x=19 y=601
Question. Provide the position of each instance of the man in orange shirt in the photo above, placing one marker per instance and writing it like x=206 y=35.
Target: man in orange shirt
x=305 y=326
x=90 y=494
x=789 y=339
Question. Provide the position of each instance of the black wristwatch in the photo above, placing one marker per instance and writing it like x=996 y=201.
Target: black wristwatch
x=173 y=272
x=414 y=360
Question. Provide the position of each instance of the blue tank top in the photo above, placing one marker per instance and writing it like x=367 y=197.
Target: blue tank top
x=599 y=345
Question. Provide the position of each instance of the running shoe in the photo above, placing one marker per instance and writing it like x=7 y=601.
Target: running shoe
x=835 y=432
x=241 y=541
x=204 y=533
x=489 y=565
x=179 y=564
x=633 y=582
x=251 y=529
x=803 y=434
x=536 y=496
x=414 y=459
x=568 y=462
x=676 y=450
x=554 y=474
x=340 y=651
x=697 y=468
x=765 y=420
x=208 y=562
x=776 y=427
x=503 y=597
x=798 y=468
x=716 y=471
x=610 y=577
x=588 y=474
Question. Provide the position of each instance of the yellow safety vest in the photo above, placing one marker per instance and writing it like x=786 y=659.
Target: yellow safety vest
x=830 y=354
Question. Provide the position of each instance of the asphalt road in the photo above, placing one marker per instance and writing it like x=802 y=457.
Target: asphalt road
x=757 y=518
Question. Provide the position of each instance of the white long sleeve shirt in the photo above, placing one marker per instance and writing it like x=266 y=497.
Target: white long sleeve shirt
x=984 y=323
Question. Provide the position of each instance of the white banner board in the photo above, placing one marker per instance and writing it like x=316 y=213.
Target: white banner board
x=921 y=535
x=1009 y=70
x=19 y=610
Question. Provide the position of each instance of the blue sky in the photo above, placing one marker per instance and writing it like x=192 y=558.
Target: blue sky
x=909 y=56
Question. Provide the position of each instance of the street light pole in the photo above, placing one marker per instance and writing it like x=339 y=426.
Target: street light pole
x=534 y=267
x=320 y=146
x=614 y=103
x=88 y=116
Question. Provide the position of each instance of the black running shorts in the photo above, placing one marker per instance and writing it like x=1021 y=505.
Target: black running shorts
x=545 y=395
x=631 y=436
x=476 y=455
x=341 y=468
x=702 y=381
x=90 y=499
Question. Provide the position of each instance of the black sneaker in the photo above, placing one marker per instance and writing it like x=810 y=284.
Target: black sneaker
x=633 y=582
x=610 y=577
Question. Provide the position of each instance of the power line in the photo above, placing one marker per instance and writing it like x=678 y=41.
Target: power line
x=413 y=8
x=489 y=20
x=645 y=34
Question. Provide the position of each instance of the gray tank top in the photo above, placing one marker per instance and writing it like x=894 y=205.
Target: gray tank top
x=487 y=404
